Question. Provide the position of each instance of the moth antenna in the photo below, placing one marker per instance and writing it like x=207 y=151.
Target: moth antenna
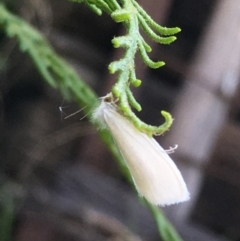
x=85 y=116
x=89 y=112
x=61 y=109
x=75 y=113
x=63 y=114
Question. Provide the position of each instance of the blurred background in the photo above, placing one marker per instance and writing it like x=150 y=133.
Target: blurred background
x=58 y=181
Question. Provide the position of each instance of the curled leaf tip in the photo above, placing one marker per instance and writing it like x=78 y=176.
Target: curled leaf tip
x=120 y=15
x=160 y=64
x=136 y=82
x=148 y=49
x=178 y=30
x=155 y=65
x=115 y=66
x=123 y=41
x=167 y=40
x=111 y=68
x=168 y=118
x=171 y=31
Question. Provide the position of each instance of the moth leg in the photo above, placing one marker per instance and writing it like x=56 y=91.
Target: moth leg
x=171 y=149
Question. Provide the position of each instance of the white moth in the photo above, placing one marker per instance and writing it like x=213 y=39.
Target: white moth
x=154 y=173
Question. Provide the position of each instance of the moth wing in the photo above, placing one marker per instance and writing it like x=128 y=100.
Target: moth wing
x=154 y=173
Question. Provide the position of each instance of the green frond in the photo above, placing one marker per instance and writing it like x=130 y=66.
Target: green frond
x=122 y=41
x=147 y=60
x=133 y=16
x=94 y=8
x=133 y=101
x=145 y=45
x=134 y=81
x=113 y=4
x=161 y=30
x=120 y=15
x=101 y=4
x=116 y=66
x=52 y=68
x=149 y=129
x=147 y=29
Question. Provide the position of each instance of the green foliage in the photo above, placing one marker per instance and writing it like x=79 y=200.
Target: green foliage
x=53 y=69
x=132 y=15
x=56 y=72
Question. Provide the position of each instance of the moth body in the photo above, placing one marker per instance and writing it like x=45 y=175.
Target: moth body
x=154 y=173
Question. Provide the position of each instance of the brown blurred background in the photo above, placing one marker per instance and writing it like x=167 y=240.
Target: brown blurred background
x=58 y=182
